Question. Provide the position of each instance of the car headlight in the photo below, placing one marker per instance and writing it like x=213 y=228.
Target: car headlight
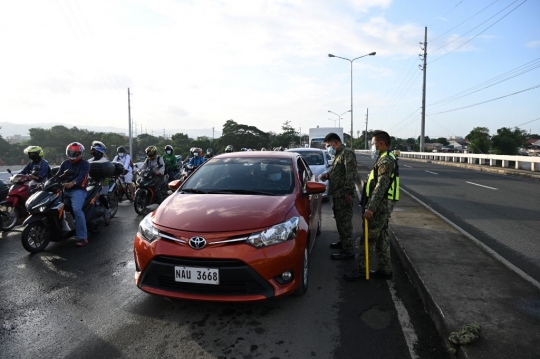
x=276 y=234
x=147 y=230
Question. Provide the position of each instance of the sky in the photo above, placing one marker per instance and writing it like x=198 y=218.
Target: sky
x=198 y=63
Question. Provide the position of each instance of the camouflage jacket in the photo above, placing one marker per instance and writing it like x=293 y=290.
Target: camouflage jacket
x=342 y=176
x=378 y=197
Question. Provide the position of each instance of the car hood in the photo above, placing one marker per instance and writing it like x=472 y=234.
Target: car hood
x=222 y=212
x=317 y=169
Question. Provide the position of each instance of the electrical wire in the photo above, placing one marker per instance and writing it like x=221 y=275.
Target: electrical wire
x=474 y=89
x=528 y=122
x=480 y=103
x=461 y=23
x=436 y=21
x=480 y=33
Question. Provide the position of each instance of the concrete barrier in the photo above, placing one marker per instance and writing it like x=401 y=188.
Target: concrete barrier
x=519 y=162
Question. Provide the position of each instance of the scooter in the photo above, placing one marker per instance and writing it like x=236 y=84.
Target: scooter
x=13 y=205
x=145 y=190
x=187 y=170
x=4 y=190
x=47 y=210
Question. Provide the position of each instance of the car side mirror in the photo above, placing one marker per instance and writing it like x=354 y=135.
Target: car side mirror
x=174 y=185
x=330 y=163
x=314 y=187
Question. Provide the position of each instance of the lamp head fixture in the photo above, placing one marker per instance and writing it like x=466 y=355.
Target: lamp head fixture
x=372 y=54
x=330 y=55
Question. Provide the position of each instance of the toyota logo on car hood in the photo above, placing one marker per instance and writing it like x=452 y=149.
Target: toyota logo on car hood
x=197 y=242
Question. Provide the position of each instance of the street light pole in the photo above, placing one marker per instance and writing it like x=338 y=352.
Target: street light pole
x=339 y=117
x=351 y=61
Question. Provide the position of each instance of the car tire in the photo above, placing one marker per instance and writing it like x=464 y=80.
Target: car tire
x=304 y=276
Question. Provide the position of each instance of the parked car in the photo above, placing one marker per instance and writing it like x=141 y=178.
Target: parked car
x=319 y=162
x=240 y=228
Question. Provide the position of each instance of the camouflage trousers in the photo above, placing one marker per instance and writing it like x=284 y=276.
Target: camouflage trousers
x=343 y=213
x=378 y=240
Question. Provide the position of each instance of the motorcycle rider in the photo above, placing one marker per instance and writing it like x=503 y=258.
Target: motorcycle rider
x=229 y=148
x=98 y=151
x=209 y=154
x=197 y=159
x=189 y=157
x=35 y=154
x=171 y=165
x=76 y=188
x=123 y=158
x=156 y=163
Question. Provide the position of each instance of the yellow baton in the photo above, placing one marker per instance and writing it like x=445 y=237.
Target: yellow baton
x=366 y=247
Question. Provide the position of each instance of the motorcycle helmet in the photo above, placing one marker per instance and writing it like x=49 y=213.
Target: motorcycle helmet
x=197 y=151
x=229 y=148
x=121 y=151
x=34 y=152
x=263 y=149
x=74 y=152
x=169 y=148
x=151 y=152
x=209 y=151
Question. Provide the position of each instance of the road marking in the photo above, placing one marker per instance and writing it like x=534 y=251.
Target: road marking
x=479 y=185
x=407 y=166
x=431 y=172
x=404 y=320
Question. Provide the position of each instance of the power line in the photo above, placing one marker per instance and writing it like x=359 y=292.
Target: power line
x=528 y=122
x=493 y=99
x=480 y=33
x=509 y=75
x=461 y=23
x=436 y=21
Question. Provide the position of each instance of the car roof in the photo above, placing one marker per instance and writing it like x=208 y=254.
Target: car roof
x=258 y=154
x=303 y=149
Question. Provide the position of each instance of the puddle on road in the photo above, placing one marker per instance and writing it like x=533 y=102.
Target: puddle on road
x=376 y=317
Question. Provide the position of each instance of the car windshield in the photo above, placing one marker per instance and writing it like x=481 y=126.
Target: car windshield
x=256 y=176
x=313 y=158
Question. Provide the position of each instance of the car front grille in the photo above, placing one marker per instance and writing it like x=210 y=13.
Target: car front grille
x=236 y=278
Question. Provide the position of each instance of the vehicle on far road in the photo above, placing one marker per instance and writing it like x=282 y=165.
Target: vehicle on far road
x=319 y=161
x=317 y=135
x=240 y=228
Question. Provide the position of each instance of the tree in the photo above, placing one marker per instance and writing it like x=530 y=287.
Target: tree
x=242 y=136
x=288 y=137
x=479 y=140
x=507 y=141
x=442 y=140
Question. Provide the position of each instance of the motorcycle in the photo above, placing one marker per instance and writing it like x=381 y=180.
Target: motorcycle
x=4 y=190
x=47 y=208
x=13 y=205
x=145 y=190
x=187 y=170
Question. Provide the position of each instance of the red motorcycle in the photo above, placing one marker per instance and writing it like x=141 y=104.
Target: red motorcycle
x=13 y=207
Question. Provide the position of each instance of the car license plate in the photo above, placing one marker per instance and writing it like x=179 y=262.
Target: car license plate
x=196 y=275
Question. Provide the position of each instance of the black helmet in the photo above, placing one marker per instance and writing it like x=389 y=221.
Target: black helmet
x=209 y=151
x=151 y=152
x=121 y=149
x=169 y=148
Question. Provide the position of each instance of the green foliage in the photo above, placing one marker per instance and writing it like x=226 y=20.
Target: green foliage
x=479 y=140
x=507 y=141
x=239 y=136
x=442 y=140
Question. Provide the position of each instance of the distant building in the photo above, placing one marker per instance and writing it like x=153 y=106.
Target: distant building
x=434 y=146
x=17 y=139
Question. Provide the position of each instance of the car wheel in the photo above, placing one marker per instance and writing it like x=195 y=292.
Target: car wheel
x=304 y=279
x=319 y=226
x=11 y=216
x=35 y=237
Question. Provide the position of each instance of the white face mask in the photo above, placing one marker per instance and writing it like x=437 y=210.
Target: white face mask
x=121 y=154
x=374 y=150
x=169 y=152
x=275 y=176
x=195 y=154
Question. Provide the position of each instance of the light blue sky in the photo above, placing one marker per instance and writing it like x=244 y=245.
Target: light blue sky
x=196 y=64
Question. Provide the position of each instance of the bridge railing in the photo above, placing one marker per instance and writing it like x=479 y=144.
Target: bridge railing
x=531 y=163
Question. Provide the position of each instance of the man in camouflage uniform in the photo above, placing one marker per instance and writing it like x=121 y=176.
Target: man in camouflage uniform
x=342 y=178
x=379 y=187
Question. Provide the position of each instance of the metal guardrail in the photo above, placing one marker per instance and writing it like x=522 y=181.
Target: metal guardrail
x=519 y=162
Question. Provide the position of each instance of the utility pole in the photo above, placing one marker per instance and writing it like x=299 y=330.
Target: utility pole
x=129 y=121
x=423 y=125
x=367 y=112
x=212 y=136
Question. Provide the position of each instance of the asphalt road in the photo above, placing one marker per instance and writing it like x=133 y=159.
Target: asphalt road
x=70 y=302
x=501 y=211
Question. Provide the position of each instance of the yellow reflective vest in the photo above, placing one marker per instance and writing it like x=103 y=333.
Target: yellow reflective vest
x=393 y=191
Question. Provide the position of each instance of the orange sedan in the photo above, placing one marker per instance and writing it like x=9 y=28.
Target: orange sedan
x=240 y=228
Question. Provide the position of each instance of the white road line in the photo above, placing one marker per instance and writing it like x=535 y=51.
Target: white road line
x=403 y=316
x=407 y=166
x=479 y=185
x=431 y=172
